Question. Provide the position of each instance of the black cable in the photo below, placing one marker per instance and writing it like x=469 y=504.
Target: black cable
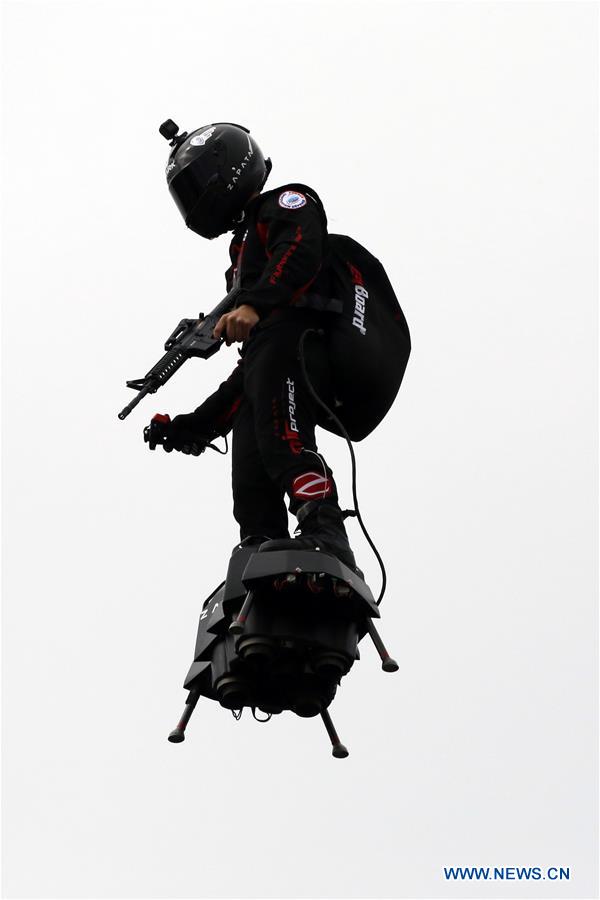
x=218 y=449
x=345 y=434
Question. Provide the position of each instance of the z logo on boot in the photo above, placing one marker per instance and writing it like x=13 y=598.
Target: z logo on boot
x=312 y=486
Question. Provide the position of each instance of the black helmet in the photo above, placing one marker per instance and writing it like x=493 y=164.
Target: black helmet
x=212 y=173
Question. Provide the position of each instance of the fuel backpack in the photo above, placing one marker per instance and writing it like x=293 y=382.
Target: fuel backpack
x=368 y=338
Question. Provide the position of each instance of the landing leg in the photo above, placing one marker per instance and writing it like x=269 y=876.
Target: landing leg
x=338 y=749
x=238 y=624
x=178 y=734
x=387 y=663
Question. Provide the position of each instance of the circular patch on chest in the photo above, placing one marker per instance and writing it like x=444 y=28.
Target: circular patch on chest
x=292 y=200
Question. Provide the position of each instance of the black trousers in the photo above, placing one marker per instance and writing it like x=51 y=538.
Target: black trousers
x=274 y=451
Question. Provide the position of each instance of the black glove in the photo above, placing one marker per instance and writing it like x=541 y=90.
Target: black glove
x=184 y=433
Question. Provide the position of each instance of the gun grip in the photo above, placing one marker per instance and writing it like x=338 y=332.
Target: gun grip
x=148 y=437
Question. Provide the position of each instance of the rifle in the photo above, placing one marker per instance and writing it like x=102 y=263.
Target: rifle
x=192 y=337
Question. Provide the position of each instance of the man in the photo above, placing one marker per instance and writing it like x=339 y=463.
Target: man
x=282 y=264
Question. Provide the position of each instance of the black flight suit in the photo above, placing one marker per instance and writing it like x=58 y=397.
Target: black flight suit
x=279 y=259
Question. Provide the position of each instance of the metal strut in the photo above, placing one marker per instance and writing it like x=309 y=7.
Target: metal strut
x=337 y=748
x=387 y=663
x=239 y=623
x=178 y=734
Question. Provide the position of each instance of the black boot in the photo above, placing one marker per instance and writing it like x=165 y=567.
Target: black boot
x=253 y=540
x=321 y=524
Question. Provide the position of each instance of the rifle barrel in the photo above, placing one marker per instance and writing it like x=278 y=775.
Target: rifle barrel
x=147 y=389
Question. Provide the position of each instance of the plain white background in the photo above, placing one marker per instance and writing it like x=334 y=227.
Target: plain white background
x=458 y=142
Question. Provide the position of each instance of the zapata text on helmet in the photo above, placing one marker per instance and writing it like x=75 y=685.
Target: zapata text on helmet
x=237 y=171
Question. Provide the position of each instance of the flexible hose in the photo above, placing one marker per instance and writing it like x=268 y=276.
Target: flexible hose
x=344 y=433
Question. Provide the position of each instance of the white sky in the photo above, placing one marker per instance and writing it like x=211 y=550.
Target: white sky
x=458 y=142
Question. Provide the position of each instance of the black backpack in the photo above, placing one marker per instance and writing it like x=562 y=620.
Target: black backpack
x=369 y=340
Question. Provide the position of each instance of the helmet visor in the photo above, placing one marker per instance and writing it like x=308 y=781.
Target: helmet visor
x=189 y=185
